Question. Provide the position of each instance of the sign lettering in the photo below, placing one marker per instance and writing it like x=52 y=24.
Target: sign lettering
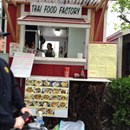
x=55 y=10
x=36 y=8
x=50 y=9
x=68 y=10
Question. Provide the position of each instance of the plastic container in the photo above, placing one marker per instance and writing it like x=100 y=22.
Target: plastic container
x=39 y=118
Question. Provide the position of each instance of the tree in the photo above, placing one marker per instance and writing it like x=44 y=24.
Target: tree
x=122 y=7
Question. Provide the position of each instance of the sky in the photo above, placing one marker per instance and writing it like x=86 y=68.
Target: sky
x=111 y=19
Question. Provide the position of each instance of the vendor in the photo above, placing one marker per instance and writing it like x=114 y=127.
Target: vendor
x=49 y=52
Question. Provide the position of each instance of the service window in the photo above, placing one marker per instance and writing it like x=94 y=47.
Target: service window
x=69 y=40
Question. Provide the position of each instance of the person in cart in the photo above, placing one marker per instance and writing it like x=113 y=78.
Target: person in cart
x=49 y=52
x=9 y=95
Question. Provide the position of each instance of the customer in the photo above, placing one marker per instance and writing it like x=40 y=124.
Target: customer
x=9 y=95
x=49 y=52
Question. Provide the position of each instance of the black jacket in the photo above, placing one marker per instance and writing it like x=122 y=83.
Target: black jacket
x=9 y=95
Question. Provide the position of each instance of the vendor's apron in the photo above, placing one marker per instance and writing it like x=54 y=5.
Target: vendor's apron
x=48 y=54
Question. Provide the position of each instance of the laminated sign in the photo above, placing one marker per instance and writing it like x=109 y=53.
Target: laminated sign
x=49 y=96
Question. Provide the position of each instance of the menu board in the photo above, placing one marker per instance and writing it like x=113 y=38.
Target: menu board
x=49 y=96
x=102 y=61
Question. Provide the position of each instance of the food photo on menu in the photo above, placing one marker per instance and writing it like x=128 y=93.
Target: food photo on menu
x=47 y=95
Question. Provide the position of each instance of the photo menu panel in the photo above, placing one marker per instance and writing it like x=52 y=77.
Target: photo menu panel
x=47 y=95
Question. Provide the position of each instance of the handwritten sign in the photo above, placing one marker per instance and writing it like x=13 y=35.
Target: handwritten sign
x=55 y=10
x=22 y=64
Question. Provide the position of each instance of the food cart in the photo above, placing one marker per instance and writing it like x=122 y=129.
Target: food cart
x=80 y=95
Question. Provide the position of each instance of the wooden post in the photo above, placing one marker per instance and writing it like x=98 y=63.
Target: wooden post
x=18 y=26
x=9 y=19
x=100 y=5
x=92 y=25
x=14 y=2
x=101 y=20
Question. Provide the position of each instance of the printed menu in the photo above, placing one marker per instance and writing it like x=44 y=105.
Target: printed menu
x=102 y=61
x=49 y=96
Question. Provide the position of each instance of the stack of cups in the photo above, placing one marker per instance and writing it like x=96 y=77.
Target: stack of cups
x=80 y=55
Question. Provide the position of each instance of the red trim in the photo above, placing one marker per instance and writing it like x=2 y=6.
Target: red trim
x=84 y=11
x=54 y=20
x=27 y=8
x=114 y=36
x=54 y=70
x=97 y=17
x=11 y=9
x=96 y=42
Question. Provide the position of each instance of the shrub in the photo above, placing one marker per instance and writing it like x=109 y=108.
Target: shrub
x=120 y=102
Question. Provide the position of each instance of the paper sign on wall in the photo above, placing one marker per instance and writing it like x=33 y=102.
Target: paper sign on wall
x=22 y=64
x=102 y=61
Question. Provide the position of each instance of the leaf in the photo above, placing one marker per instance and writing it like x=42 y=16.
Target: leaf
x=122 y=7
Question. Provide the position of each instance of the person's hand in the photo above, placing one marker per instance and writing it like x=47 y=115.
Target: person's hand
x=24 y=109
x=19 y=122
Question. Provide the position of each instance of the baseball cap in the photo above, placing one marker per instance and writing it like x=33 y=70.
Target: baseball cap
x=4 y=34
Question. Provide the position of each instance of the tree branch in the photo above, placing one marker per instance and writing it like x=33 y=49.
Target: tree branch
x=123 y=17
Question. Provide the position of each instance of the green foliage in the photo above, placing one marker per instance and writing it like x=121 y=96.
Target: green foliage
x=122 y=7
x=120 y=101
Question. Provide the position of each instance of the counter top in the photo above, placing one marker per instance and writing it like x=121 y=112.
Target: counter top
x=68 y=78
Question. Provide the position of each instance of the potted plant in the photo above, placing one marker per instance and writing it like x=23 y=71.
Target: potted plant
x=120 y=102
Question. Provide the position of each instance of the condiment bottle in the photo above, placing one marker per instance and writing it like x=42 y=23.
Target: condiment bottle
x=66 y=71
x=82 y=74
x=39 y=118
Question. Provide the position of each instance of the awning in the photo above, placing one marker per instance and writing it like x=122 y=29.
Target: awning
x=54 y=21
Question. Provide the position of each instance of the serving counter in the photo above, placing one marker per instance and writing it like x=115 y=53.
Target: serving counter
x=71 y=79
x=60 y=61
